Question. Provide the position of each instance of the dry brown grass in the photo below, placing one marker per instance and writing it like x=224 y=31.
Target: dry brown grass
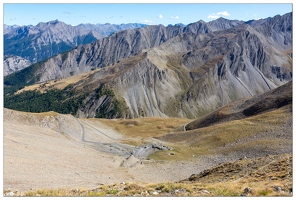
x=215 y=189
x=145 y=127
x=44 y=114
x=57 y=84
x=206 y=141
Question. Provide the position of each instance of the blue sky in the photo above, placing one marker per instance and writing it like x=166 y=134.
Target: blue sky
x=74 y=14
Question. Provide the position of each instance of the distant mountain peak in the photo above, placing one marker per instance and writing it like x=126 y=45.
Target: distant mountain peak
x=54 y=22
x=221 y=18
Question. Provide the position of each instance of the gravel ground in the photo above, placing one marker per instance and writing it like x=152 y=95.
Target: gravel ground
x=64 y=152
x=61 y=151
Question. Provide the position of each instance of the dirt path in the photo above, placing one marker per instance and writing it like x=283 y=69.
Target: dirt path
x=110 y=134
x=82 y=131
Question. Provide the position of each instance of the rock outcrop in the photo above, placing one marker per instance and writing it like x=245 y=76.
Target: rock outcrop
x=14 y=63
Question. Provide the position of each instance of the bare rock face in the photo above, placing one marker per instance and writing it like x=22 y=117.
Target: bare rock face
x=8 y=28
x=278 y=31
x=215 y=25
x=14 y=63
x=223 y=24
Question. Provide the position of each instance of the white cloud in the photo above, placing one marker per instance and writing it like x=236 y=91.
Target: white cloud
x=224 y=13
x=160 y=16
x=174 y=17
x=12 y=19
x=66 y=13
x=147 y=22
x=213 y=16
x=218 y=14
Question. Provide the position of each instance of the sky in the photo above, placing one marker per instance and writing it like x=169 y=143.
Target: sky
x=147 y=13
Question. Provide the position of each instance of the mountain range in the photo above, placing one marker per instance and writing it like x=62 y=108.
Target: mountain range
x=37 y=43
x=171 y=71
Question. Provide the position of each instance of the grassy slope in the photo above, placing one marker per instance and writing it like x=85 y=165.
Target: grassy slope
x=136 y=131
x=56 y=84
x=236 y=135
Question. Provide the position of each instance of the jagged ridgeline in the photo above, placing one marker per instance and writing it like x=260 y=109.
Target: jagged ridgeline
x=30 y=44
x=172 y=71
x=37 y=43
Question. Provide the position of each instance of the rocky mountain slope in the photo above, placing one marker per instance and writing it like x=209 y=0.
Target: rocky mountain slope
x=8 y=28
x=170 y=71
x=278 y=29
x=266 y=102
x=14 y=63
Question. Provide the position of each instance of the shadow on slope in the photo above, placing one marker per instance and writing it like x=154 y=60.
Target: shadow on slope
x=247 y=107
